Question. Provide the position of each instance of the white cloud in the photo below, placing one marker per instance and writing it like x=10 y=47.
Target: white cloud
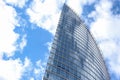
x=32 y=79
x=7 y=24
x=46 y=14
x=19 y=3
x=23 y=43
x=77 y=5
x=105 y=29
x=110 y=49
x=12 y=69
x=104 y=20
x=8 y=37
x=39 y=70
x=27 y=63
x=33 y=71
x=49 y=44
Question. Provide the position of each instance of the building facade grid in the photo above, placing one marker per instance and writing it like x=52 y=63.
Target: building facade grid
x=74 y=54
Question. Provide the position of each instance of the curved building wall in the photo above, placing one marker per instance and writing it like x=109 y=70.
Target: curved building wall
x=74 y=54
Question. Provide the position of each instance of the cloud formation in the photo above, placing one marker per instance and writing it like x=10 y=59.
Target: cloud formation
x=7 y=25
x=105 y=29
x=45 y=14
x=13 y=69
x=18 y=3
x=10 y=69
x=39 y=70
x=77 y=5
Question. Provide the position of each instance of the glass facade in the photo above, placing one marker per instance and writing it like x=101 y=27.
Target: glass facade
x=74 y=54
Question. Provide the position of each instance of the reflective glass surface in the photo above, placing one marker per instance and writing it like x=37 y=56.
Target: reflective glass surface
x=74 y=54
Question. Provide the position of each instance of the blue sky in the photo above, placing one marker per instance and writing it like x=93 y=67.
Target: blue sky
x=27 y=28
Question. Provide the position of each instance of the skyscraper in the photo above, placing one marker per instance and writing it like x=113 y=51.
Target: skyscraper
x=74 y=54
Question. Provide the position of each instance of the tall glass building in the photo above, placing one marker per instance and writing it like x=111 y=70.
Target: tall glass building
x=74 y=54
